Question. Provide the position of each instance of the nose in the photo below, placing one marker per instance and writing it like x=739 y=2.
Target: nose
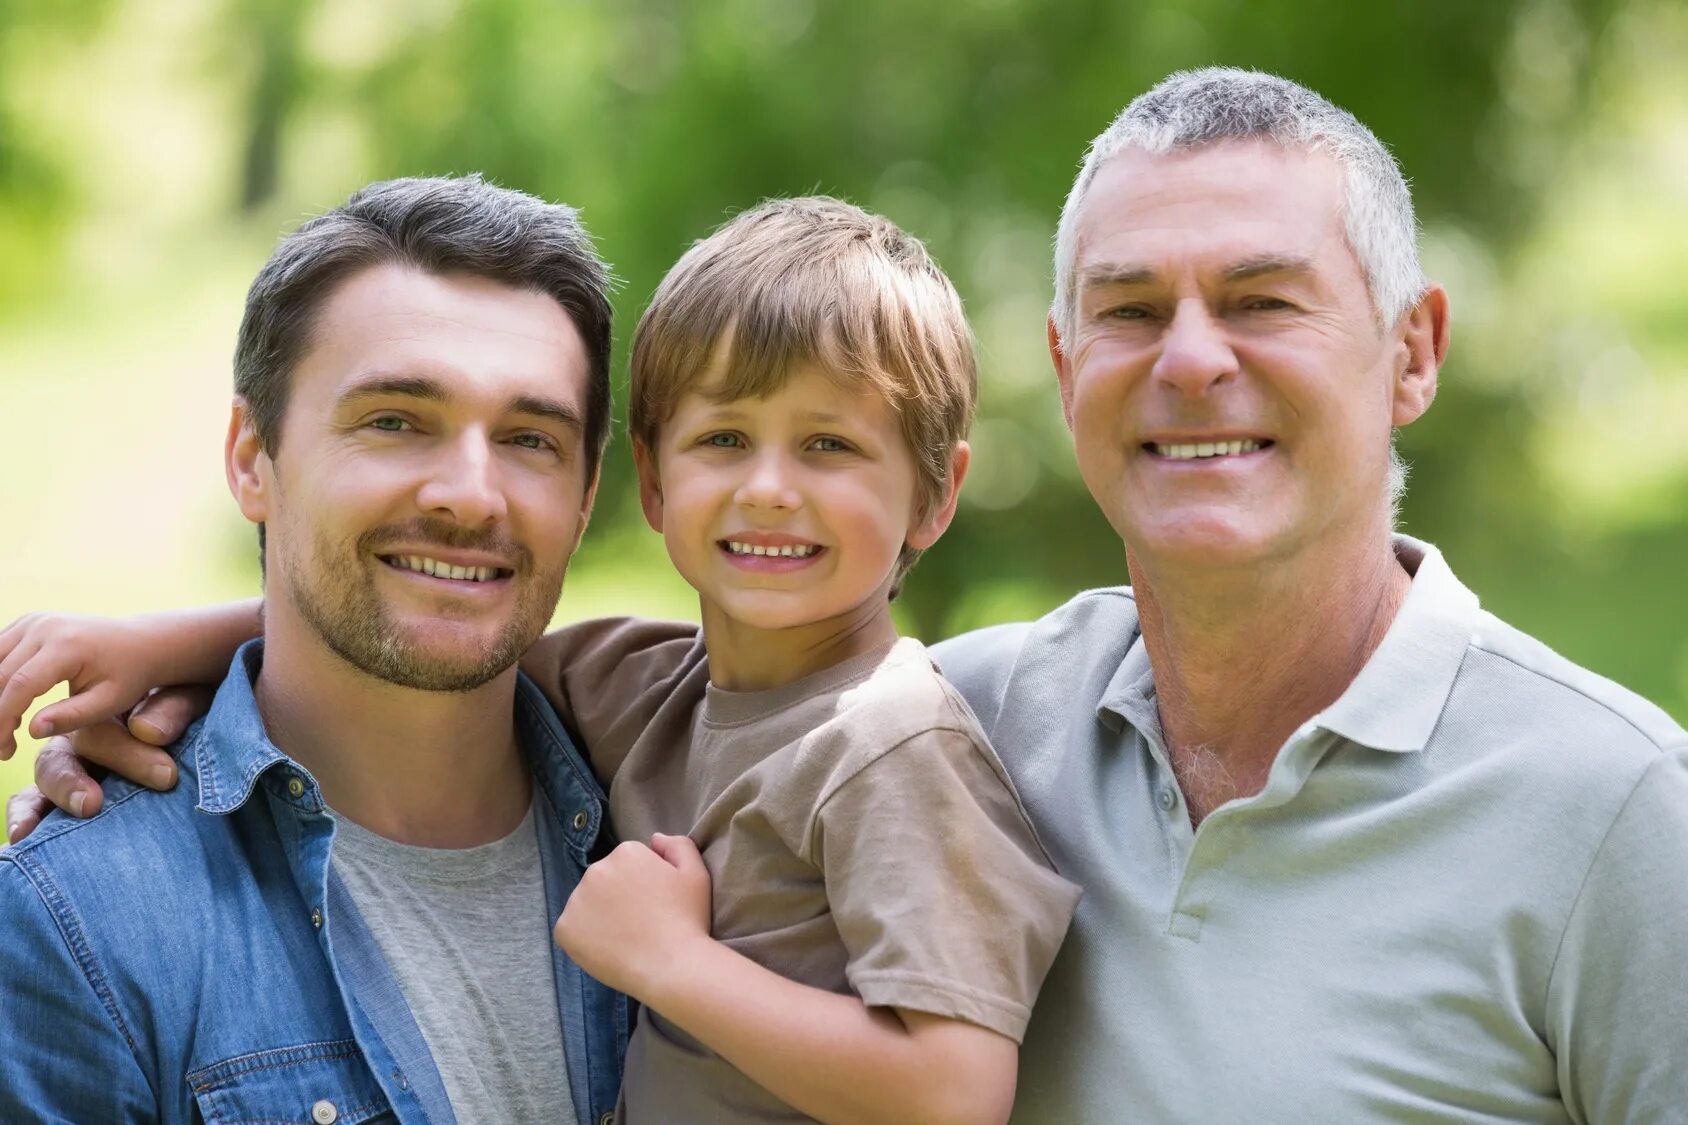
x=1194 y=355
x=463 y=483
x=769 y=482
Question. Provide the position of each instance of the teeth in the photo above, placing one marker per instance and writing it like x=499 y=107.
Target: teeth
x=785 y=552
x=436 y=569
x=1191 y=451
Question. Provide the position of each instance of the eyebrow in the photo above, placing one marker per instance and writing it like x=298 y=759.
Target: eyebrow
x=430 y=390
x=1262 y=264
x=1258 y=265
x=727 y=412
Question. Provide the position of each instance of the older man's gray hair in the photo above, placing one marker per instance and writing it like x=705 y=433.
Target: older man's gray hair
x=1200 y=107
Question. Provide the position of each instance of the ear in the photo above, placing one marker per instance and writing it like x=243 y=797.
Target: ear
x=650 y=486
x=1063 y=371
x=931 y=524
x=1424 y=345
x=250 y=471
x=587 y=499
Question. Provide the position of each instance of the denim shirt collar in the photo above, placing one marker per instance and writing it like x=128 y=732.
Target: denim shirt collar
x=1397 y=698
x=232 y=751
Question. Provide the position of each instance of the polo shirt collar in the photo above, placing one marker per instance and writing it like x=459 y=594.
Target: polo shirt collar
x=1395 y=701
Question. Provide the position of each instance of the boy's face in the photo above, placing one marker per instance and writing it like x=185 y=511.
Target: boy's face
x=787 y=511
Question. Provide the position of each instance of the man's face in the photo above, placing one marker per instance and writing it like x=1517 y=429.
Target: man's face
x=431 y=481
x=1230 y=393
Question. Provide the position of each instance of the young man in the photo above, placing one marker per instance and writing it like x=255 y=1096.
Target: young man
x=342 y=911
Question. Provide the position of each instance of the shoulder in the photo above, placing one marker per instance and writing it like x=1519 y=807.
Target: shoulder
x=643 y=647
x=1093 y=629
x=1565 y=696
x=120 y=885
x=1568 y=747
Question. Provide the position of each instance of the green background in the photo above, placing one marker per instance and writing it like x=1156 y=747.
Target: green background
x=150 y=153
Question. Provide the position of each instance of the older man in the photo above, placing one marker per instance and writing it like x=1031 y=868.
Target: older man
x=423 y=398
x=1352 y=849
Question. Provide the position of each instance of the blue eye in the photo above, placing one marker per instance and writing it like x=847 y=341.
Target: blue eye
x=830 y=445
x=532 y=441
x=722 y=440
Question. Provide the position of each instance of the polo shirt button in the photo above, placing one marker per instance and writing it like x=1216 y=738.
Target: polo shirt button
x=295 y=787
x=580 y=819
x=1168 y=800
x=324 y=1113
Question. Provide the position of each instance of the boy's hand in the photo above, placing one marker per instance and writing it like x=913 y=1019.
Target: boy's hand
x=100 y=657
x=635 y=911
x=63 y=776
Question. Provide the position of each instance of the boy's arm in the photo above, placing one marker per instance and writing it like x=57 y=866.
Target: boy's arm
x=639 y=922
x=111 y=662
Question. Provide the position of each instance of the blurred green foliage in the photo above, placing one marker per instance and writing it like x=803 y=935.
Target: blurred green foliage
x=1547 y=141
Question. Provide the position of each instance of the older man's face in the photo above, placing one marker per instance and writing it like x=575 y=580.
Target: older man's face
x=1230 y=392
x=431 y=479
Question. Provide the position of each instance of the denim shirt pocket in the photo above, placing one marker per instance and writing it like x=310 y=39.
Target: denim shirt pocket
x=311 y=1084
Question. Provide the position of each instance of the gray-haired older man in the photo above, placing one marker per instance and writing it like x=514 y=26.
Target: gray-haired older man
x=1352 y=849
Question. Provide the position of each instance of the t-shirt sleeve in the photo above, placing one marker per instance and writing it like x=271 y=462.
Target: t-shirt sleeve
x=1617 y=1008
x=606 y=678
x=944 y=899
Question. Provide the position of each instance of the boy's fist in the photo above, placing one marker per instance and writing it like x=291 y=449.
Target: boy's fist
x=635 y=912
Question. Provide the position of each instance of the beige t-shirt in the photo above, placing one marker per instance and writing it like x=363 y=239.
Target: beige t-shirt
x=861 y=834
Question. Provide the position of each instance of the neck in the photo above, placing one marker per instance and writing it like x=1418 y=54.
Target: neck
x=1242 y=658
x=434 y=769
x=747 y=658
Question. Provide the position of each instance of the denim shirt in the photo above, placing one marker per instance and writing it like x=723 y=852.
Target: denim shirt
x=190 y=955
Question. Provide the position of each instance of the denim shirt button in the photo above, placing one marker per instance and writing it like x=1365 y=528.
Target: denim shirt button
x=607 y=1119
x=316 y=924
x=295 y=787
x=580 y=819
x=324 y=1113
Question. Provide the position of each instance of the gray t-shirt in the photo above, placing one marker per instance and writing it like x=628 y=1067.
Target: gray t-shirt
x=1462 y=894
x=467 y=935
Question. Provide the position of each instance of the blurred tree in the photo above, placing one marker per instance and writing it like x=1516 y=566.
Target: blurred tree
x=965 y=120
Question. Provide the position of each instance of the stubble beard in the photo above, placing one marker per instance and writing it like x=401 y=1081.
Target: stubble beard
x=337 y=599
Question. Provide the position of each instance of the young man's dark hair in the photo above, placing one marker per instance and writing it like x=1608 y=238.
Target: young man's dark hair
x=442 y=225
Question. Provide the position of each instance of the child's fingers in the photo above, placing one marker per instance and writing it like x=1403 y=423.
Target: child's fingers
x=63 y=779
x=24 y=811
x=23 y=679
x=679 y=851
x=96 y=704
x=164 y=716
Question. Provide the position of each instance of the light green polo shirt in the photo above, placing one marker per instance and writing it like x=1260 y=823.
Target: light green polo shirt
x=1462 y=894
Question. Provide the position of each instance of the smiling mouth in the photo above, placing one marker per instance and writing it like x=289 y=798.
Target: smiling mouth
x=1205 y=450
x=783 y=551
x=433 y=568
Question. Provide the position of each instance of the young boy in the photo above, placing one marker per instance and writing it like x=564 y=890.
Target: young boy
x=843 y=912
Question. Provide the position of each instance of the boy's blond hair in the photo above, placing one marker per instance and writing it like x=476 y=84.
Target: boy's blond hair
x=813 y=280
